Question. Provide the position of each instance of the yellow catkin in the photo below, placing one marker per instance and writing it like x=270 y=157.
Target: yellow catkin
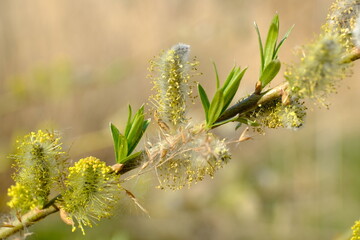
x=356 y=231
x=39 y=163
x=92 y=190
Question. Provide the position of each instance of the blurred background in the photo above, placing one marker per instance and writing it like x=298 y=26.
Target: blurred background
x=74 y=66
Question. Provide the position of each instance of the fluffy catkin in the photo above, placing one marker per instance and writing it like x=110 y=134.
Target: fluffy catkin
x=92 y=190
x=187 y=157
x=319 y=70
x=356 y=33
x=39 y=162
x=341 y=20
x=171 y=77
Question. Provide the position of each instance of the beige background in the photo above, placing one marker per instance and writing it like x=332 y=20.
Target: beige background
x=75 y=65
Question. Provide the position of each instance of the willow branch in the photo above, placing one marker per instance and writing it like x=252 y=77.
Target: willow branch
x=25 y=221
x=253 y=101
x=353 y=56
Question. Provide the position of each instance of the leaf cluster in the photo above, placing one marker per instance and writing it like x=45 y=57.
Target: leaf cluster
x=124 y=144
x=223 y=96
x=270 y=64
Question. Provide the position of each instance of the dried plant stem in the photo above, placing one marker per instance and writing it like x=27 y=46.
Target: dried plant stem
x=26 y=220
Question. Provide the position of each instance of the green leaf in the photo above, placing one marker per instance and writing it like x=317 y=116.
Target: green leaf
x=217 y=76
x=129 y=122
x=136 y=130
x=282 y=41
x=115 y=134
x=146 y=124
x=271 y=40
x=270 y=72
x=216 y=107
x=260 y=46
x=131 y=157
x=122 y=148
x=230 y=77
x=231 y=88
x=139 y=135
x=247 y=121
x=204 y=100
x=238 y=125
x=253 y=123
x=234 y=119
